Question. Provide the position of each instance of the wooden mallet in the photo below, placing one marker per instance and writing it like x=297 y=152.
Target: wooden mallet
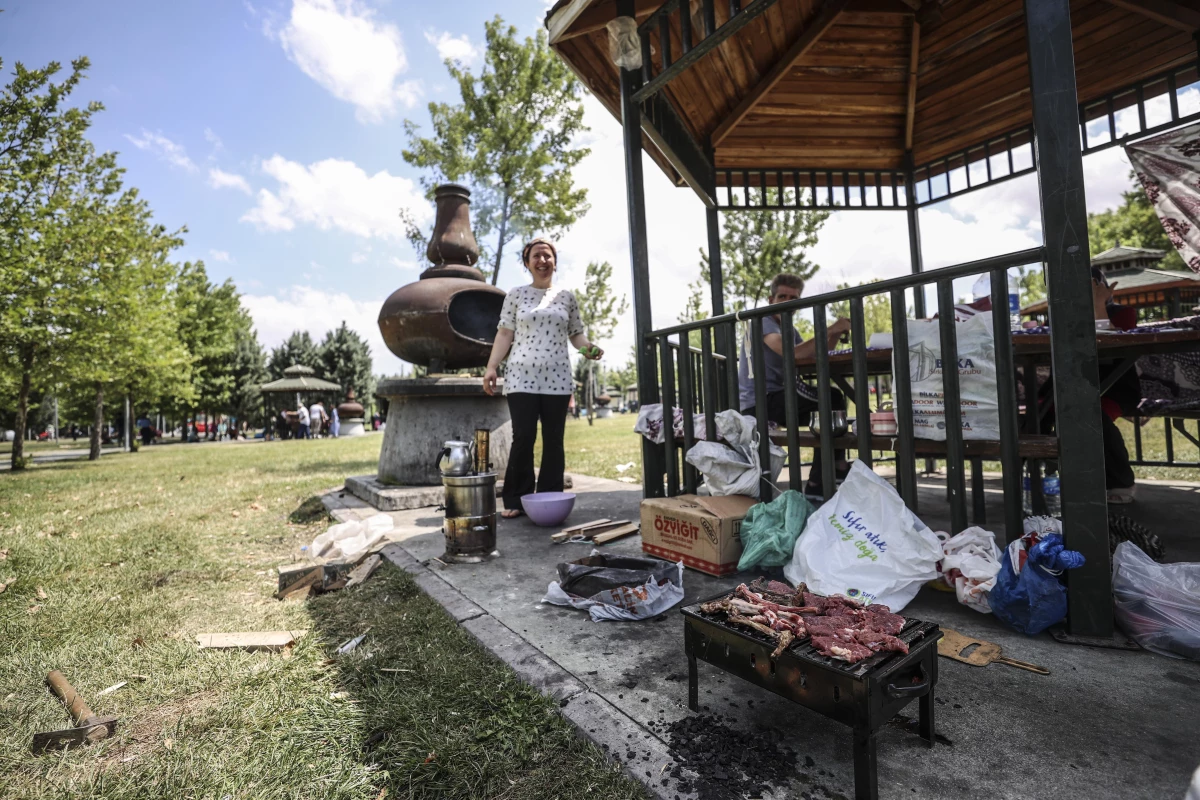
x=88 y=727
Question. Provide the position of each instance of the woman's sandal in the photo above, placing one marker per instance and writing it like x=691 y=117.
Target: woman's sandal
x=512 y=513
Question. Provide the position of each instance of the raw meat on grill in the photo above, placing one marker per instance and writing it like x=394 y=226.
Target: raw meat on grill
x=837 y=626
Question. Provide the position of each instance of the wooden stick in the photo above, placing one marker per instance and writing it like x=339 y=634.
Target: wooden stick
x=583 y=525
x=587 y=531
x=619 y=533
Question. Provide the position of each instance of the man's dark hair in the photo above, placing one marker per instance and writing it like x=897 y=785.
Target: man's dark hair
x=789 y=280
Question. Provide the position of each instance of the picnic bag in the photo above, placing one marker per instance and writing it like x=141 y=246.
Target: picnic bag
x=866 y=544
x=980 y=416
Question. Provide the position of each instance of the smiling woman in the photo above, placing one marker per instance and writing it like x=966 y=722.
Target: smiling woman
x=536 y=323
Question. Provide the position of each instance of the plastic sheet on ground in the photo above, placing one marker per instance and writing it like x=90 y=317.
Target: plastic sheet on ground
x=1157 y=604
x=349 y=539
x=617 y=587
x=770 y=530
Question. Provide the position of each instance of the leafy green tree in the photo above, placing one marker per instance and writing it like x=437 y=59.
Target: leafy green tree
x=296 y=349
x=45 y=159
x=511 y=138
x=755 y=247
x=877 y=311
x=346 y=360
x=249 y=371
x=600 y=311
x=1133 y=223
x=210 y=316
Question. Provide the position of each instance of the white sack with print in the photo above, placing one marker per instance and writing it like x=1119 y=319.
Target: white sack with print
x=866 y=544
x=980 y=416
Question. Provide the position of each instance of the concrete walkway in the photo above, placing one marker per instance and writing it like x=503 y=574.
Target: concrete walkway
x=1104 y=724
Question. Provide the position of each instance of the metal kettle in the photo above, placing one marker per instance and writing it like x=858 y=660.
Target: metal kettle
x=456 y=459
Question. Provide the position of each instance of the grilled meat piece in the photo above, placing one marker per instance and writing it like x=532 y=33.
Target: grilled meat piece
x=785 y=640
x=831 y=626
x=878 y=641
x=738 y=619
x=851 y=652
x=715 y=607
x=880 y=618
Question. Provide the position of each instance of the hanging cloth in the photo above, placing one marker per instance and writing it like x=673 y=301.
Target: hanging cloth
x=1168 y=167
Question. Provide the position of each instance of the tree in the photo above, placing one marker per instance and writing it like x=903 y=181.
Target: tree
x=346 y=360
x=877 y=311
x=755 y=247
x=44 y=160
x=210 y=318
x=296 y=349
x=511 y=138
x=600 y=310
x=249 y=371
x=1133 y=223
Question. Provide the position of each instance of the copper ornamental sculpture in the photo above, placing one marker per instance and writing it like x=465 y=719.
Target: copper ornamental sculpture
x=447 y=319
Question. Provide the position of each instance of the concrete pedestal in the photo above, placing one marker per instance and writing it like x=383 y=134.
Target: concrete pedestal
x=351 y=427
x=424 y=413
x=603 y=412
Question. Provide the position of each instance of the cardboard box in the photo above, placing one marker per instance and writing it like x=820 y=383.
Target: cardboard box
x=702 y=532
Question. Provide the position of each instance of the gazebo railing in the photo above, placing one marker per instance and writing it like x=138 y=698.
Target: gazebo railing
x=686 y=373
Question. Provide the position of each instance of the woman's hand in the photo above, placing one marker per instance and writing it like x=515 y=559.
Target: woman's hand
x=489 y=381
x=592 y=353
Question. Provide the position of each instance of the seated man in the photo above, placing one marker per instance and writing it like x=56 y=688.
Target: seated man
x=785 y=287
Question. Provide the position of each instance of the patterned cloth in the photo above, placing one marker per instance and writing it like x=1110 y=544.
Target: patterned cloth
x=1170 y=383
x=543 y=320
x=1168 y=167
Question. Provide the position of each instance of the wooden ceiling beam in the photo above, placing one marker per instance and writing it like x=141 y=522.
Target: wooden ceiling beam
x=591 y=17
x=911 y=110
x=1168 y=12
x=808 y=37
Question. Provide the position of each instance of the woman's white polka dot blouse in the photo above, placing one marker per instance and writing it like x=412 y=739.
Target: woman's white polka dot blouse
x=542 y=321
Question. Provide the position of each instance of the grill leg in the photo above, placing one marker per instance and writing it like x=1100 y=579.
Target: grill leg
x=693 y=685
x=925 y=719
x=866 y=781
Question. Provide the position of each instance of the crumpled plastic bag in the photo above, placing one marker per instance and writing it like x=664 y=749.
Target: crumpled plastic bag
x=1157 y=604
x=1029 y=594
x=970 y=563
x=349 y=539
x=650 y=423
x=770 y=530
x=622 y=587
x=734 y=467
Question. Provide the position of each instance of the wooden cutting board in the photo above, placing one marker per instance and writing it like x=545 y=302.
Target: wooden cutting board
x=953 y=645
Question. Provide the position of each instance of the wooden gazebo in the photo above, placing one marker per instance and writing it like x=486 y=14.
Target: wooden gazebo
x=869 y=104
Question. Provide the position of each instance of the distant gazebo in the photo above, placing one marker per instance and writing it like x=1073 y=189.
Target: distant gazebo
x=297 y=380
x=1155 y=293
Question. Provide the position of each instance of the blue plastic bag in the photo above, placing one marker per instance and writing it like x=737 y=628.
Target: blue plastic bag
x=1033 y=597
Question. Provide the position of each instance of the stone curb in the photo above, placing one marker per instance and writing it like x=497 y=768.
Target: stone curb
x=641 y=754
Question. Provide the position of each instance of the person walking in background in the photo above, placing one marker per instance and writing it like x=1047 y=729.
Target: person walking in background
x=335 y=423
x=318 y=419
x=537 y=322
x=303 y=431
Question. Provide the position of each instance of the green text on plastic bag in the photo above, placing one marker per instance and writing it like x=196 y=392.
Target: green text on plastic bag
x=770 y=530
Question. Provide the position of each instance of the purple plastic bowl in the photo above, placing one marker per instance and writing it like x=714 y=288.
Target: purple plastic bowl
x=548 y=508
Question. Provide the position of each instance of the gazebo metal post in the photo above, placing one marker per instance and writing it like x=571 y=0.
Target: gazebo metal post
x=716 y=281
x=914 y=233
x=1059 y=159
x=653 y=463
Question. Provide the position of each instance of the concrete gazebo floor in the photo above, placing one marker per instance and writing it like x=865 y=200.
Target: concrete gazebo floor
x=1104 y=723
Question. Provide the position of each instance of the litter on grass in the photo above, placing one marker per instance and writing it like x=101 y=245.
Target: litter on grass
x=349 y=645
x=250 y=640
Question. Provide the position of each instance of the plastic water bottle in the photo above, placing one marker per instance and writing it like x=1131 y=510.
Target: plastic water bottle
x=982 y=287
x=1053 y=494
x=1014 y=302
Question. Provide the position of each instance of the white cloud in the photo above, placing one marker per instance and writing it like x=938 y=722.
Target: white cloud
x=220 y=255
x=342 y=46
x=316 y=311
x=211 y=137
x=454 y=48
x=336 y=193
x=360 y=257
x=220 y=179
x=174 y=154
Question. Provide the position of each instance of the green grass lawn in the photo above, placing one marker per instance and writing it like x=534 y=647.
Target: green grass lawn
x=112 y=568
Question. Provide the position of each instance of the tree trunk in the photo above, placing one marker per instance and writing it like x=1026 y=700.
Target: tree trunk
x=18 y=451
x=97 y=421
x=500 y=241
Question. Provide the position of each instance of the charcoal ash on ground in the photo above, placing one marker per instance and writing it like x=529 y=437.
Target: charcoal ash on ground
x=718 y=762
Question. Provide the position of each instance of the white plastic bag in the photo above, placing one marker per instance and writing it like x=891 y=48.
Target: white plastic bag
x=1157 y=604
x=866 y=544
x=624 y=602
x=979 y=413
x=970 y=562
x=348 y=539
x=733 y=468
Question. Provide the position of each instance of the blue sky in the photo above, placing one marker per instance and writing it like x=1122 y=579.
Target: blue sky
x=273 y=130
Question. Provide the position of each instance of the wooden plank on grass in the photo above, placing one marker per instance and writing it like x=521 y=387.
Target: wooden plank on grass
x=364 y=571
x=249 y=640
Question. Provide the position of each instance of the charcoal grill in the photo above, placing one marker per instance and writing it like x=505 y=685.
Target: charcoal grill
x=864 y=695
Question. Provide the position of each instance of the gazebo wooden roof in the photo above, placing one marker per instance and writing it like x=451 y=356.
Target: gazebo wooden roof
x=856 y=84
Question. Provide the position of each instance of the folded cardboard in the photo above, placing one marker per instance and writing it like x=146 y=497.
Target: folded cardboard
x=702 y=532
